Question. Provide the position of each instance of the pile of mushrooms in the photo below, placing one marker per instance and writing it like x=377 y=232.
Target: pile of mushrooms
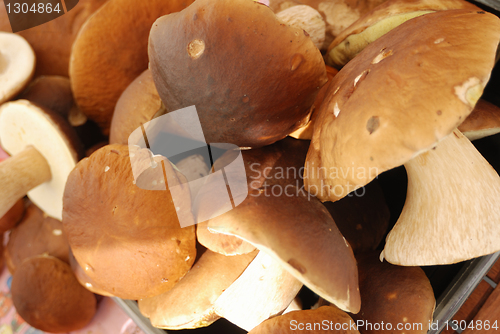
x=230 y=167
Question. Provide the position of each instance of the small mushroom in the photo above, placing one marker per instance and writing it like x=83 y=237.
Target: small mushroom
x=483 y=121
x=381 y=20
x=188 y=53
x=48 y=297
x=102 y=65
x=17 y=65
x=44 y=149
x=127 y=239
x=37 y=234
x=325 y=319
x=393 y=295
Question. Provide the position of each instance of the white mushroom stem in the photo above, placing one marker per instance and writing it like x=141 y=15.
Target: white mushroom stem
x=19 y=174
x=452 y=210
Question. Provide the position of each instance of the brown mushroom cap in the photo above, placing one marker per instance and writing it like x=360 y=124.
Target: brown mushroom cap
x=393 y=295
x=190 y=303
x=234 y=104
x=483 y=121
x=52 y=41
x=418 y=58
x=128 y=239
x=47 y=296
x=17 y=65
x=279 y=218
x=12 y=217
x=381 y=20
x=102 y=65
x=37 y=234
x=222 y=243
x=84 y=279
x=137 y=105
x=325 y=319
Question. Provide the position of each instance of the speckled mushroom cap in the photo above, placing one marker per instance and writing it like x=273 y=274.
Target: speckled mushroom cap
x=52 y=41
x=17 y=65
x=251 y=78
x=37 y=234
x=306 y=321
x=394 y=295
x=483 y=121
x=445 y=57
x=47 y=296
x=381 y=20
x=279 y=218
x=102 y=65
x=127 y=239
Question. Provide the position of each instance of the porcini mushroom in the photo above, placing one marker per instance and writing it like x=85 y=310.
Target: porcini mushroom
x=44 y=149
x=84 y=279
x=393 y=295
x=277 y=209
x=17 y=65
x=37 y=234
x=102 y=65
x=127 y=239
x=381 y=20
x=483 y=121
x=47 y=296
x=221 y=243
x=188 y=54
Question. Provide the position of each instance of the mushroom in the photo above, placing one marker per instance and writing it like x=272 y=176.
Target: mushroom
x=277 y=209
x=98 y=76
x=48 y=297
x=352 y=144
x=17 y=65
x=54 y=93
x=221 y=243
x=325 y=319
x=234 y=104
x=44 y=150
x=37 y=234
x=463 y=226
x=84 y=279
x=483 y=121
x=128 y=239
x=381 y=20
x=394 y=296
x=52 y=40
x=306 y=18
x=12 y=217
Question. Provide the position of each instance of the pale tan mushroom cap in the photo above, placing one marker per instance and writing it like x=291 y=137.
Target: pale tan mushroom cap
x=420 y=81
x=381 y=20
x=17 y=65
x=483 y=121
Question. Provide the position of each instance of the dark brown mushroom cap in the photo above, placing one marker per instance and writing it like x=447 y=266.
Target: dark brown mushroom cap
x=251 y=78
x=127 y=239
x=483 y=121
x=325 y=319
x=52 y=41
x=37 y=234
x=446 y=57
x=12 y=217
x=47 y=296
x=393 y=294
x=279 y=218
x=136 y=106
x=362 y=217
x=102 y=65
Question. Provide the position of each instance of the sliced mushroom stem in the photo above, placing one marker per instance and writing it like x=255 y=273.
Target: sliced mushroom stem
x=451 y=212
x=21 y=173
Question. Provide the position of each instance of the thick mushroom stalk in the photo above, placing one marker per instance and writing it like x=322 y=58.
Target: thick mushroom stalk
x=44 y=150
x=451 y=212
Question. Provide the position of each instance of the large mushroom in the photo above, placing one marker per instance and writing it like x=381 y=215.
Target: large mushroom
x=102 y=65
x=127 y=239
x=188 y=53
x=400 y=126
x=17 y=65
x=44 y=149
